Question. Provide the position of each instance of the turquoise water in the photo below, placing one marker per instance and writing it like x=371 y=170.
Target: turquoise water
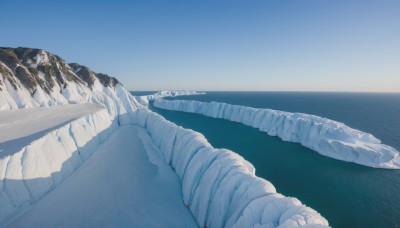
x=348 y=195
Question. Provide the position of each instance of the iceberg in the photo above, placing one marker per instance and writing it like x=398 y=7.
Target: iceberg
x=327 y=137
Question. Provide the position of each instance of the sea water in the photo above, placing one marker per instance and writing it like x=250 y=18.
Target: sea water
x=347 y=194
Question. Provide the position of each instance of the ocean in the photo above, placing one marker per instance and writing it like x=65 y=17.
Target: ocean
x=347 y=194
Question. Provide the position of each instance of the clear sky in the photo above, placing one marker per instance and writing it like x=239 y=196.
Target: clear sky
x=284 y=45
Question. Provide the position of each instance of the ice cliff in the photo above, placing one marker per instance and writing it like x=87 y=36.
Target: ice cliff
x=327 y=137
x=218 y=186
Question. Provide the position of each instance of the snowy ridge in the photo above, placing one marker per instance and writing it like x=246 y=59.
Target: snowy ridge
x=327 y=137
x=36 y=169
x=219 y=186
x=161 y=94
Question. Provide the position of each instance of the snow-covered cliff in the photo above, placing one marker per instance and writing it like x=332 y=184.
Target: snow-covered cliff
x=327 y=137
x=218 y=186
x=36 y=78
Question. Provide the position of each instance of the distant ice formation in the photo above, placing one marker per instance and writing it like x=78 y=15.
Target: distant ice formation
x=161 y=94
x=327 y=137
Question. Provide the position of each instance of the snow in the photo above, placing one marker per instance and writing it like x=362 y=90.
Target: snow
x=49 y=160
x=327 y=137
x=20 y=127
x=114 y=186
x=115 y=100
x=42 y=57
x=219 y=186
x=65 y=170
x=119 y=189
x=144 y=100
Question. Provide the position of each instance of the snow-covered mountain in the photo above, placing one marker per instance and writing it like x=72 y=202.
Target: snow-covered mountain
x=218 y=186
x=36 y=78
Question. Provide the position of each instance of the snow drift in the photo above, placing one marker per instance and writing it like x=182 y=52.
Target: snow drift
x=327 y=137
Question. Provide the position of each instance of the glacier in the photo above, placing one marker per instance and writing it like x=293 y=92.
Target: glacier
x=218 y=186
x=327 y=137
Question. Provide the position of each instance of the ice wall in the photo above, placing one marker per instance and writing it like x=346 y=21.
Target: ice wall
x=41 y=166
x=327 y=137
x=219 y=186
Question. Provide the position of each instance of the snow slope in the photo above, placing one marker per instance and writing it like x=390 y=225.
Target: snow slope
x=327 y=137
x=20 y=127
x=161 y=94
x=117 y=187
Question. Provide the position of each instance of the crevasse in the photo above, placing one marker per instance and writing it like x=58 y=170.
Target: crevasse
x=327 y=137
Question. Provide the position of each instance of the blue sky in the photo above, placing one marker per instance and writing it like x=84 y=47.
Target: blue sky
x=284 y=45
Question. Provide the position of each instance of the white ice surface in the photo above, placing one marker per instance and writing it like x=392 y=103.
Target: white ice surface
x=117 y=187
x=20 y=127
x=39 y=167
x=327 y=137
